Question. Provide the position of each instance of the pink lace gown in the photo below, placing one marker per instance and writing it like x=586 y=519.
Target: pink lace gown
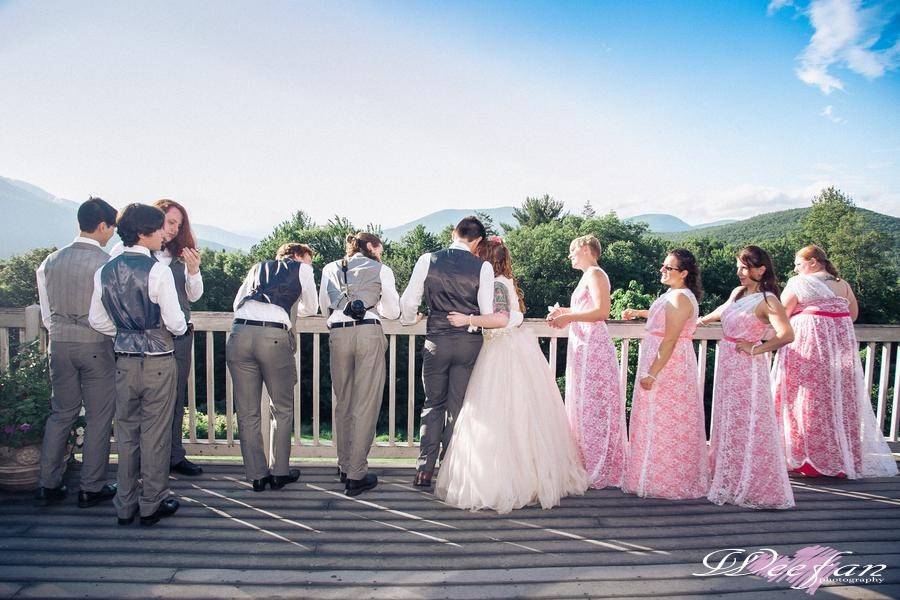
x=820 y=392
x=594 y=401
x=667 y=453
x=746 y=447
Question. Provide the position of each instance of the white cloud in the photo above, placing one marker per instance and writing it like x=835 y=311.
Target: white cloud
x=828 y=113
x=776 y=5
x=846 y=34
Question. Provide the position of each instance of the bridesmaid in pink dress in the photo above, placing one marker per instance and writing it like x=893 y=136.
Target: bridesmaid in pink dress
x=594 y=401
x=667 y=454
x=820 y=392
x=746 y=447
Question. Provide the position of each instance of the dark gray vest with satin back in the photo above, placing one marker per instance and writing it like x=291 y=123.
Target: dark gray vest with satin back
x=69 y=274
x=451 y=286
x=275 y=282
x=125 y=281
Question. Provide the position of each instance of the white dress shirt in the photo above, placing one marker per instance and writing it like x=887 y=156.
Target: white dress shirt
x=43 y=300
x=193 y=284
x=412 y=296
x=161 y=288
x=388 y=306
x=253 y=310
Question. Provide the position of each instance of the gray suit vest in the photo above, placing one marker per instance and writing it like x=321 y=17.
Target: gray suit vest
x=363 y=282
x=69 y=275
x=179 y=272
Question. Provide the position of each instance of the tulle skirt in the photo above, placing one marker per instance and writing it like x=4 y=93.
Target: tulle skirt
x=511 y=443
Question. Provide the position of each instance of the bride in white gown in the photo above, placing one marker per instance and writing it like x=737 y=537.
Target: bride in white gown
x=511 y=444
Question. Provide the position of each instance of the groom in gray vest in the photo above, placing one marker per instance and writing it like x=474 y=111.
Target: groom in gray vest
x=452 y=280
x=82 y=365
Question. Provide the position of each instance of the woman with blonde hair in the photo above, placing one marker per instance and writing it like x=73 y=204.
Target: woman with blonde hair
x=819 y=388
x=594 y=400
x=511 y=444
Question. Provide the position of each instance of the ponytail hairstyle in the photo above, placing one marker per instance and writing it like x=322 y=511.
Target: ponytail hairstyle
x=687 y=262
x=754 y=256
x=359 y=243
x=815 y=252
x=493 y=250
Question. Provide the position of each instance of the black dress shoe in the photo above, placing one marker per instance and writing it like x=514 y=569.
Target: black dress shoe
x=355 y=487
x=423 y=479
x=47 y=496
x=186 y=467
x=166 y=508
x=259 y=485
x=279 y=481
x=128 y=520
x=341 y=475
x=86 y=499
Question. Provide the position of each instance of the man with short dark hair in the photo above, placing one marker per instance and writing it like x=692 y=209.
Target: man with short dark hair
x=452 y=280
x=135 y=300
x=260 y=350
x=82 y=365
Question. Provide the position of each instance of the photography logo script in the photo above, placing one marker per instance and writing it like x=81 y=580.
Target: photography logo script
x=808 y=569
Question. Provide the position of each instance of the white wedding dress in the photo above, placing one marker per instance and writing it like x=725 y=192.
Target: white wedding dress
x=511 y=444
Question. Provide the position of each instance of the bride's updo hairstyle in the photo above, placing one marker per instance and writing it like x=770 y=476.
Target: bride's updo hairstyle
x=591 y=242
x=494 y=251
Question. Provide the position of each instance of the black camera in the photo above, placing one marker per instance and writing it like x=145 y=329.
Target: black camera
x=356 y=310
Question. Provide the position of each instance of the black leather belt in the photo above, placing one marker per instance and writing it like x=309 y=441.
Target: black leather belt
x=260 y=323
x=140 y=355
x=340 y=324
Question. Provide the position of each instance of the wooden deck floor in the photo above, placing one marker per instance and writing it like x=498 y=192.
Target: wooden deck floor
x=310 y=541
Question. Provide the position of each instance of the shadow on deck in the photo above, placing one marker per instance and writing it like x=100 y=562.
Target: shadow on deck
x=396 y=541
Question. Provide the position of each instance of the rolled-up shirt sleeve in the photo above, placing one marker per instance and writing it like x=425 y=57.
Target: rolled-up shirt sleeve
x=412 y=295
x=98 y=318
x=309 y=299
x=389 y=305
x=486 y=289
x=193 y=286
x=163 y=292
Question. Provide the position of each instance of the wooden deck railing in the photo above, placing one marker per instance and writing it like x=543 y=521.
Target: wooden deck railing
x=24 y=324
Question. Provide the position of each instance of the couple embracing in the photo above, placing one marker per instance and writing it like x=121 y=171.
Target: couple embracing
x=492 y=410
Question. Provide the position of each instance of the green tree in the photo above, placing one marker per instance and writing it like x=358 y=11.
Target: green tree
x=862 y=254
x=538 y=211
x=18 y=282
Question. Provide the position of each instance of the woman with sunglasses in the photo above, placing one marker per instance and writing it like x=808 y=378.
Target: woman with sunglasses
x=667 y=455
x=745 y=442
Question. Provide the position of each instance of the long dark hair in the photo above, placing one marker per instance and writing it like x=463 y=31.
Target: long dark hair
x=185 y=237
x=687 y=262
x=754 y=256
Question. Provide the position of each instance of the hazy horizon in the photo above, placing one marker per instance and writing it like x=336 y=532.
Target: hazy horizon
x=387 y=112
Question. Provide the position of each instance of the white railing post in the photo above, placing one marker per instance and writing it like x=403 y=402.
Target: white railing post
x=32 y=322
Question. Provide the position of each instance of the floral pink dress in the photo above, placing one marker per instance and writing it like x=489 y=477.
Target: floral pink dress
x=820 y=392
x=745 y=444
x=667 y=454
x=594 y=401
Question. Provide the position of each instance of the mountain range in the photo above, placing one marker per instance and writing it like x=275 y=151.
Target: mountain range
x=34 y=218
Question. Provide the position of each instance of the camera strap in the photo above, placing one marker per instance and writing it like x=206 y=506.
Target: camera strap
x=345 y=288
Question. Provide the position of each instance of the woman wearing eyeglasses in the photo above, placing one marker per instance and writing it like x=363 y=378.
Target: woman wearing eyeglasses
x=745 y=443
x=667 y=454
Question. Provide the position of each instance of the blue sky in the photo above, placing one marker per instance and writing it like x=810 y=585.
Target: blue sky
x=386 y=111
